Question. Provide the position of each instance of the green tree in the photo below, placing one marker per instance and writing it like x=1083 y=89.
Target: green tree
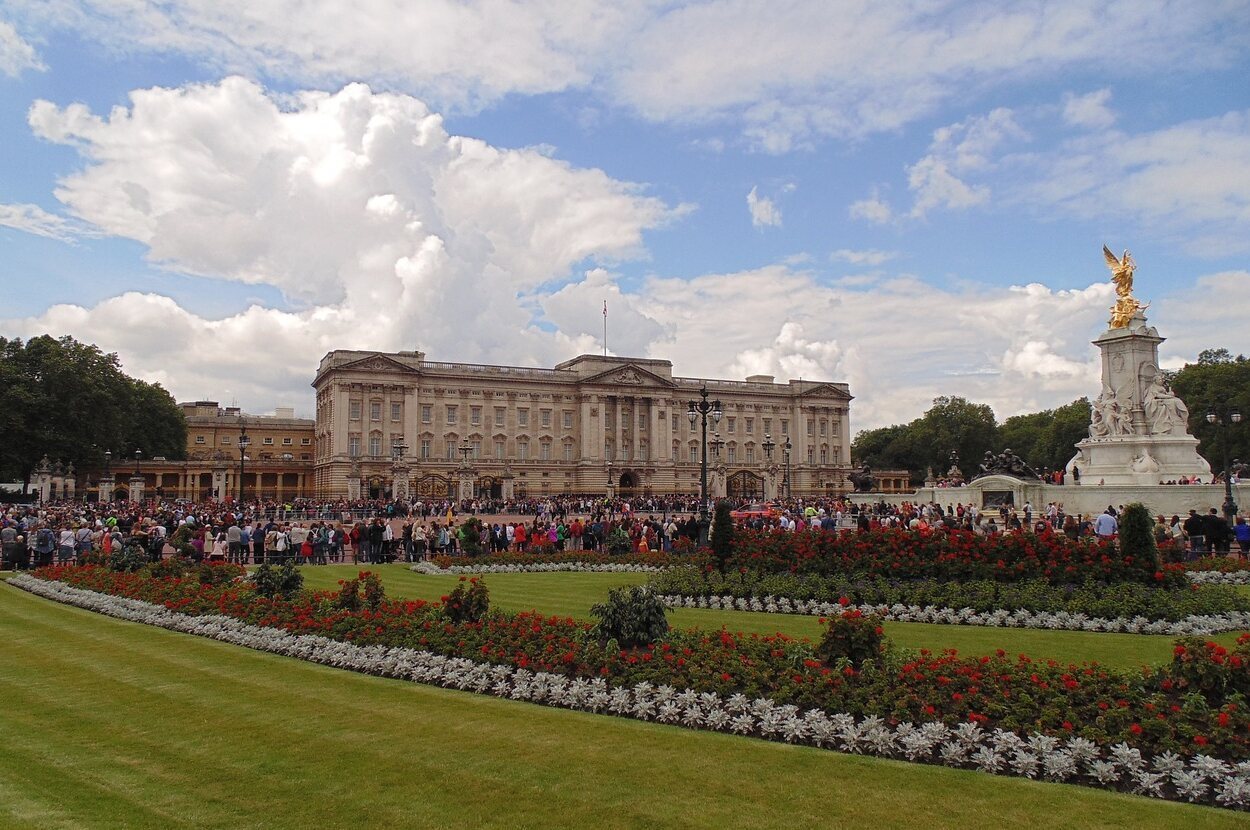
x=1221 y=382
x=722 y=535
x=1046 y=439
x=952 y=423
x=71 y=401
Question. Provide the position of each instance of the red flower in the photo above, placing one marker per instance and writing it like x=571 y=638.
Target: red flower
x=1135 y=729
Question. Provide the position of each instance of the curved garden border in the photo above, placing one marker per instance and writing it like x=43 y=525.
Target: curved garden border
x=1202 y=626
x=1202 y=779
x=431 y=569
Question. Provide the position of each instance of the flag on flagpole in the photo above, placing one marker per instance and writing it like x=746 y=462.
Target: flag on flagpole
x=605 y=308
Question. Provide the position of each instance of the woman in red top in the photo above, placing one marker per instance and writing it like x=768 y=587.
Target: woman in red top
x=519 y=537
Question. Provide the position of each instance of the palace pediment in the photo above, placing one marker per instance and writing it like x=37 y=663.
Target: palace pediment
x=629 y=376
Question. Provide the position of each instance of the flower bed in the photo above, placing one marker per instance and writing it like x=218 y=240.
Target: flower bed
x=1080 y=752
x=952 y=555
x=432 y=569
x=505 y=562
x=1002 y=618
x=1220 y=577
x=987 y=598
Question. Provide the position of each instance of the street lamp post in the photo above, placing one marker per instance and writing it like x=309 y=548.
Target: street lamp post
x=244 y=443
x=138 y=456
x=769 y=445
x=699 y=410
x=787 y=447
x=399 y=471
x=1221 y=421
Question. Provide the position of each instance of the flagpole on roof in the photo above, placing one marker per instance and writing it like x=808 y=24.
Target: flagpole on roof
x=605 y=328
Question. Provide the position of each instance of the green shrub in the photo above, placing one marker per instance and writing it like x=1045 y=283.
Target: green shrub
x=633 y=616
x=619 y=542
x=284 y=581
x=1137 y=538
x=175 y=567
x=471 y=537
x=851 y=636
x=128 y=559
x=469 y=602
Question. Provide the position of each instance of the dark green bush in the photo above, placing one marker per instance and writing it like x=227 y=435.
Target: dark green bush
x=128 y=559
x=1137 y=538
x=633 y=616
x=619 y=542
x=851 y=636
x=469 y=602
x=471 y=537
x=284 y=581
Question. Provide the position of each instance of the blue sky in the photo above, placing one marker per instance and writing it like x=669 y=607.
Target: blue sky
x=908 y=197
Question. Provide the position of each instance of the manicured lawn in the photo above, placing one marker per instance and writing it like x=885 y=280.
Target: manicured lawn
x=572 y=594
x=107 y=723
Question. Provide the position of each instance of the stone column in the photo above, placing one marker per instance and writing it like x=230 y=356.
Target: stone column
x=219 y=482
x=136 y=487
x=70 y=482
x=399 y=481
x=106 y=487
x=43 y=479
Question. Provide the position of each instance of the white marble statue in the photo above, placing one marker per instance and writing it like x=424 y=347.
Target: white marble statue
x=1165 y=413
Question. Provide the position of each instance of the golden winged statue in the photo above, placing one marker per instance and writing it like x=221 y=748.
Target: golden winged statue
x=1126 y=306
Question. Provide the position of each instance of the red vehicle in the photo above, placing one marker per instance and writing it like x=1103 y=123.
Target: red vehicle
x=763 y=510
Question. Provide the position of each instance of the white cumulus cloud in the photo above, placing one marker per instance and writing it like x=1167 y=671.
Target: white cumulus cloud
x=386 y=231
x=764 y=211
x=16 y=55
x=1089 y=110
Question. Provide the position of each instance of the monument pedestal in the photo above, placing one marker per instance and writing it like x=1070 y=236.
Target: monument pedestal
x=1138 y=432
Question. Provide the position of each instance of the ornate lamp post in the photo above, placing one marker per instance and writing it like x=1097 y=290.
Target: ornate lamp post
x=769 y=445
x=717 y=444
x=106 y=479
x=136 y=479
x=399 y=471
x=244 y=443
x=1221 y=420
x=787 y=447
x=466 y=482
x=699 y=410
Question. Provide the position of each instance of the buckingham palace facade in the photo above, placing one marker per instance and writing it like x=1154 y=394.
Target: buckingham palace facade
x=397 y=425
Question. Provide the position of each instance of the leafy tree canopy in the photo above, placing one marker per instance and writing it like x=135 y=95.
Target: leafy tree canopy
x=71 y=401
x=1218 y=381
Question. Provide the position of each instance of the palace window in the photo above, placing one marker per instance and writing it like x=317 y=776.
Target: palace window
x=475 y=415
x=523 y=450
x=733 y=422
x=546 y=418
x=568 y=450
x=811 y=455
x=675 y=418
x=353 y=446
x=353 y=410
x=785 y=426
x=750 y=455
x=375 y=445
x=397 y=412
x=768 y=425
x=824 y=455
x=499 y=450
x=750 y=426
x=499 y=415
x=811 y=428
x=523 y=417
x=226 y=439
x=199 y=439
x=477 y=448
x=450 y=442
x=824 y=428
x=568 y=419
x=425 y=448
x=304 y=442
x=453 y=413
x=375 y=410
x=643 y=451
x=427 y=413
x=267 y=441
x=733 y=454
x=286 y=442
x=544 y=450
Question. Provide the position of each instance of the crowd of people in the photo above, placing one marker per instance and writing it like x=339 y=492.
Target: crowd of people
x=375 y=531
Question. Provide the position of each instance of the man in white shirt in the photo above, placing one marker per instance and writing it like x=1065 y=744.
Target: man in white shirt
x=1105 y=526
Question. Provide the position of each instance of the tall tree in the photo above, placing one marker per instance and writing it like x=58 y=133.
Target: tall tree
x=70 y=401
x=1219 y=382
x=951 y=424
x=1046 y=439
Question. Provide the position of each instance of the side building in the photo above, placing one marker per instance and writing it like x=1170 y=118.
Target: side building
x=396 y=424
